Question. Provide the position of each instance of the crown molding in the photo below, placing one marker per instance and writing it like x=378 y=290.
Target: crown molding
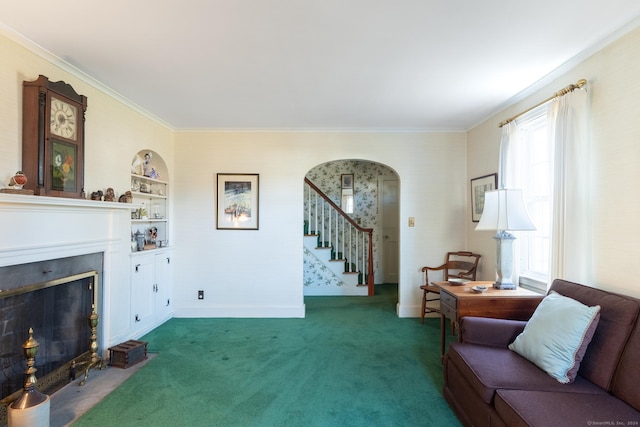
x=65 y=66
x=564 y=68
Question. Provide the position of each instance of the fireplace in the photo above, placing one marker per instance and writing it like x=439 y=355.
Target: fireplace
x=54 y=239
x=55 y=298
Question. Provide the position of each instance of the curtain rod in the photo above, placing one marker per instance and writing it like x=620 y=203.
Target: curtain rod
x=579 y=85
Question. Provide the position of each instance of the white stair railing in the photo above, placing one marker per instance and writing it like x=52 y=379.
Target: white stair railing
x=347 y=239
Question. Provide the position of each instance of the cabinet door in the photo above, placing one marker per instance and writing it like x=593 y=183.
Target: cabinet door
x=142 y=291
x=163 y=285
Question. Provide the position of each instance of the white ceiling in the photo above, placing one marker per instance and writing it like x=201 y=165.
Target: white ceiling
x=321 y=64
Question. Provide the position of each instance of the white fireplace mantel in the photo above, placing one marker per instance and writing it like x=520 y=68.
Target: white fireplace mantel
x=41 y=228
x=27 y=199
x=35 y=228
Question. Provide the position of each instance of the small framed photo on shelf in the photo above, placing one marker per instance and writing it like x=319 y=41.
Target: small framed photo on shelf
x=237 y=201
x=479 y=186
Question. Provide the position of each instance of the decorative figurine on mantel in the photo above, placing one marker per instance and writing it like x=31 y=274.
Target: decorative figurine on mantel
x=18 y=180
x=110 y=195
x=96 y=195
x=126 y=197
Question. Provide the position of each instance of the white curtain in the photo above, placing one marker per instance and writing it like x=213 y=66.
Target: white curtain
x=506 y=176
x=571 y=218
x=570 y=252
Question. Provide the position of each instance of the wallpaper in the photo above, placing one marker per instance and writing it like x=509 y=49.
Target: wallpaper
x=317 y=274
x=327 y=177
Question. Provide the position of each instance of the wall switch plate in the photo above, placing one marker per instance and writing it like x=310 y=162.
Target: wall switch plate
x=412 y=221
x=200 y=294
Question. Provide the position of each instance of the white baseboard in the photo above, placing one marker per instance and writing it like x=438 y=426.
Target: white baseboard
x=240 y=312
x=413 y=311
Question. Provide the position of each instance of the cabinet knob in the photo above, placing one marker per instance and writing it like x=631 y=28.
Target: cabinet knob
x=137 y=318
x=137 y=266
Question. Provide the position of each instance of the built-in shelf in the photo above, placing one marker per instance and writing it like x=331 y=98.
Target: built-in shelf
x=147 y=195
x=149 y=210
x=142 y=221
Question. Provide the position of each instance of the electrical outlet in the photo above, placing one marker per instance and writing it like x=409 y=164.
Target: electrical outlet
x=200 y=294
x=412 y=221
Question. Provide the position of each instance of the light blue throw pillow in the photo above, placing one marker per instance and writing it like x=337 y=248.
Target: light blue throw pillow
x=557 y=335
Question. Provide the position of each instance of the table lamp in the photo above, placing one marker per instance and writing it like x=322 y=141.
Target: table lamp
x=504 y=211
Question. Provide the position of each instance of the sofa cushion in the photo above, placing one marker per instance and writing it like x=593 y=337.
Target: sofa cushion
x=489 y=331
x=536 y=408
x=557 y=335
x=488 y=368
x=627 y=378
x=618 y=314
x=468 y=406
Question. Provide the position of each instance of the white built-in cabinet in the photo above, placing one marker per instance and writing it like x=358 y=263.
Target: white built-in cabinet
x=151 y=277
x=151 y=289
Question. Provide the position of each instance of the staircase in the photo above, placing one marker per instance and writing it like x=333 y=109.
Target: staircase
x=338 y=253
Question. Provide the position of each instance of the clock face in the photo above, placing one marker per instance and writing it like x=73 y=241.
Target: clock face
x=64 y=119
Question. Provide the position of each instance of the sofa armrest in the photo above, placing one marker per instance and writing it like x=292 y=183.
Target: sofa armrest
x=490 y=331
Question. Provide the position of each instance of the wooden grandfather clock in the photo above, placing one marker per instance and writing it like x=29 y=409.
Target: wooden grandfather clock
x=53 y=138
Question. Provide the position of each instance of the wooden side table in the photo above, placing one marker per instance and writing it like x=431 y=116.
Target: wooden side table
x=460 y=301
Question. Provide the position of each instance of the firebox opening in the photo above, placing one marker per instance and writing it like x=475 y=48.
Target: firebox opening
x=58 y=310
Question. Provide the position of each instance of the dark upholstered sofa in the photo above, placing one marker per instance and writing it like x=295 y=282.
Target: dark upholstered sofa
x=487 y=384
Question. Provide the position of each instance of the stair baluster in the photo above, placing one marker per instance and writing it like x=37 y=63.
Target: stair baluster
x=362 y=261
x=357 y=255
x=309 y=210
x=329 y=234
x=323 y=224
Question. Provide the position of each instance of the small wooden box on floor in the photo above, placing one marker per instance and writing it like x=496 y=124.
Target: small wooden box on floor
x=127 y=354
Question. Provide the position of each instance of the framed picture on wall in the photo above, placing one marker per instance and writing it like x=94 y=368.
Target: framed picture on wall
x=346 y=181
x=346 y=193
x=479 y=186
x=237 y=201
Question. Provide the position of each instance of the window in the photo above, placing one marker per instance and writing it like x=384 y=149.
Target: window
x=534 y=153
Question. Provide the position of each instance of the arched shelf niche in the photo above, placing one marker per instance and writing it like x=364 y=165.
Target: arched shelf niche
x=150 y=196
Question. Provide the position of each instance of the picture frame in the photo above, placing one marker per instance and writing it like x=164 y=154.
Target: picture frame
x=346 y=181
x=237 y=201
x=479 y=186
x=346 y=193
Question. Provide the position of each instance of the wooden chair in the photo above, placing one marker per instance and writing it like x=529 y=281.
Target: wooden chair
x=461 y=265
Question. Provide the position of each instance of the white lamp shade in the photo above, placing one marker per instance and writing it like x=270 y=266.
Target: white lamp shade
x=504 y=210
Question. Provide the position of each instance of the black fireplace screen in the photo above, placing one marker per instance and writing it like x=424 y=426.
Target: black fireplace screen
x=58 y=311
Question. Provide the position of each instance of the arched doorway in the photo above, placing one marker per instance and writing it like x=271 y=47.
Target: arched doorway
x=370 y=181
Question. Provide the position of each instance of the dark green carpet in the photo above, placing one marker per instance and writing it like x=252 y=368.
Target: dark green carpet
x=350 y=362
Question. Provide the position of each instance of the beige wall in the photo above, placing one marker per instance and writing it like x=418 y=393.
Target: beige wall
x=615 y=154
x=259 y=273
x=114 y=132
